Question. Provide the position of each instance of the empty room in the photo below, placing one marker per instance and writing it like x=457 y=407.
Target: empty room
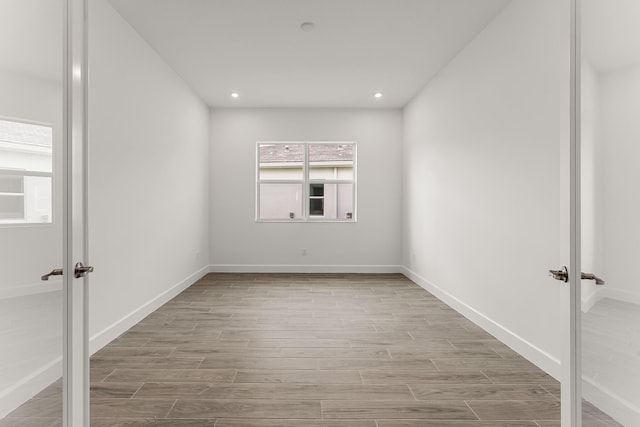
x=321 y=213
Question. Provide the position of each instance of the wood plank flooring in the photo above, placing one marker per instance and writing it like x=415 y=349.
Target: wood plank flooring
x=309 y=350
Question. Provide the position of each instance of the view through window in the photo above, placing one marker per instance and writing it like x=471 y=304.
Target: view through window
x=306 y=181
x=25 y=172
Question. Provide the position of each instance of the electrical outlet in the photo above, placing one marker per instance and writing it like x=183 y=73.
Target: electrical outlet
x=303 y=252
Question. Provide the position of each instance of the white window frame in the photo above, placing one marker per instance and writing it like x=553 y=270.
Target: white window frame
x=305 y=182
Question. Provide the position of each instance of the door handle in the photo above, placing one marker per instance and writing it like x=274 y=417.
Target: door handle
x=54 y=272
x=591 y=276
x=563 y=275
x=81 y=271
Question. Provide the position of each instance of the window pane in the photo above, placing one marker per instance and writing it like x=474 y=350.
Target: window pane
x=287 y=192
x=280 y=201
x=345 y=201
x=25 y=172
x=330 y=161
x=331 y=152
x=337 y=202
x=281 y=161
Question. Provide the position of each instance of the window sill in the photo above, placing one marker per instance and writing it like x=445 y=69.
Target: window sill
x=306 y=221
x=23 y=224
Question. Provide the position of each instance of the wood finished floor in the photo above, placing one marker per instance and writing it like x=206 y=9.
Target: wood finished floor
x=248 y=350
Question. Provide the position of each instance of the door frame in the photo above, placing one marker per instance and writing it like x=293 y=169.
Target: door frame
x=75 y=351
x=75 y=241
x=571 y=365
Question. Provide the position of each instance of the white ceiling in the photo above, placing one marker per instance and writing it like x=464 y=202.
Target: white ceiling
x=256 y=47
x=611 y=33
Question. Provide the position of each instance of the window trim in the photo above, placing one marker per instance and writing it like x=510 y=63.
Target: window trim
x=305 y=182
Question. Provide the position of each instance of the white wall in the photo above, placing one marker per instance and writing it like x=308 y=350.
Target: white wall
x=148 y=178
x=482 y=178
x=239 y=243
x=620 y=103
x=591 y=184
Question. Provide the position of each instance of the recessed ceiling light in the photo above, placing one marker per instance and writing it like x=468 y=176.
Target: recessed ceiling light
x=307 y=26
x=377 y=95
x=235 y=94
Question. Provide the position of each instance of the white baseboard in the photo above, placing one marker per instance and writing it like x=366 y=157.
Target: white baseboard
x=32 y=384
x=289 y=268
x=620 y=295
x=108 y=334
x=29 y=386
x=27 y=290
x=605 y=399
x=535 y=355
x=623 y=411
x=611 y=293
x=587 y=304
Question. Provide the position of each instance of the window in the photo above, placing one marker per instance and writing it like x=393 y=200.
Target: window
x=25 y=172
x=306 y=181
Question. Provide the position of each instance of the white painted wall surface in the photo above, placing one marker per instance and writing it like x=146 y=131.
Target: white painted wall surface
x=620 y=103
x=148 y=177
x=482 y=178
x=591 y=184
x=238 y=243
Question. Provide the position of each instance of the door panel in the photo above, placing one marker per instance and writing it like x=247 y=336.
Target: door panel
x=610 y=100
x=43 y=362
x=31 y=206
x=76 y=339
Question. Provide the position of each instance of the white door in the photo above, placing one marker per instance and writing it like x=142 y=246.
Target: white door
x=44 y=359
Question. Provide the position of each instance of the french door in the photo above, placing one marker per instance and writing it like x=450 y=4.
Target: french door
x=601 y=362
x=43 y=298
